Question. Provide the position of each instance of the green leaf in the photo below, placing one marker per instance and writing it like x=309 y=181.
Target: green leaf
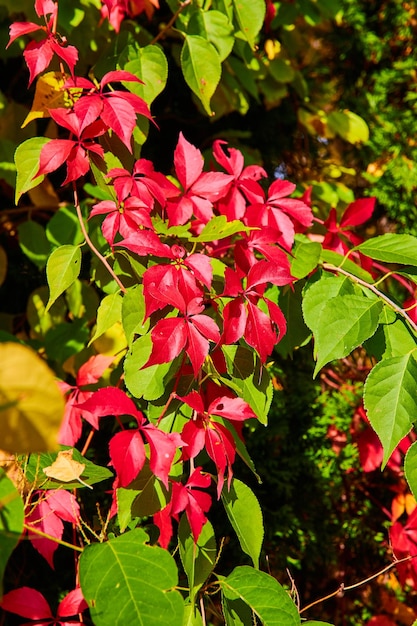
x=317 y=292
x=215 y=27
x=391 y=248
x=147 y=383
x=390 y=400
x=62 y=269
x=349 y=126
x=192 y=617
x=316 y=623
x=245 y=516
x=201 y=67
x=250 y=15
x=91 y=475
x=336 y=259
x=66 y=339
x=198 y=559
x=306 y=255
x=64 y=228
x=109 y=312
x=125 y=581
x=11 y=521
x=262 y=594
x=33 y=242
x=410 y=468
x=344 y=323
x=27 y=158
x=253 y=380
x=150 y=65
x=290 y=302
x=219 y=228
x=31 y=404
x=133 y=313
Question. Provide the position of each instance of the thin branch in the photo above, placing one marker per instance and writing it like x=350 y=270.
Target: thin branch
x=92 y=246
x=171 y=21
x=342 y=588
x=395 y=307
x=35 y=531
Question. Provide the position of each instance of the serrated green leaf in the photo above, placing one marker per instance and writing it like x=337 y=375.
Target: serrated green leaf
x=35 y=464
x=11 y=521
x=245 y=515
x=33 y=242
x=344 y=323
x=62 y=268
x=215 y=27
x=391 y=248
x=390 y=400
x=108 y=313
x=253 y=380
x=250 y=15
x=26 y=158
x=410 y=468
x=149 y=63
x=136 y=584
x=198 y=558
x=305 y=257
x=147 y=383
x=262 y=594
x=219 y=228
x=316 y=294
x=200 y=64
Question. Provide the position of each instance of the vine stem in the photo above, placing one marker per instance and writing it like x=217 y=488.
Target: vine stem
x=92 y=246
x=171 y=21
x=35 y=531
x=371 y=287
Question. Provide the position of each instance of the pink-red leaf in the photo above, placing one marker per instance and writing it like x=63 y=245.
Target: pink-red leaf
x=127 y=453
x=109 y=401
x=72 y=604
x=26 y=602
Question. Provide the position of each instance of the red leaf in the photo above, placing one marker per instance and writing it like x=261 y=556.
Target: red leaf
x=259 y=332
x=197 y=347
x=163 y=448
x=72 y=604
x=269 y=272
x=188 y=162
x=127 y=453
x=43 y=518
x=92 y=370
x=27 y=602
x=231 y=408
x=145 y=242
x=109 y=401
x=234 y=321
x=358 y=212
x=169 y=338
x=17 y=29
x=64 y=505
x=120 y=116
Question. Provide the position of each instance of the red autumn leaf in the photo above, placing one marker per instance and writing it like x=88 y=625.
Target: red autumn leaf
x=109 y=401
x=42 y=517
x=338 y=236
x=27 y=602
x=143 y=183
x=144 y=243
x=72 y=604
x=124 y=218
x=127 y=454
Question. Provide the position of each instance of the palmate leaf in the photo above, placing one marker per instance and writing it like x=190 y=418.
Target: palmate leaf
x=136 y=584
x=11 y=521
x=390 y=399
x=246 y=590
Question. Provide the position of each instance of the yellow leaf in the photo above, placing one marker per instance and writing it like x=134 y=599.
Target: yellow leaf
x=49 y=94
x=66 y=469
x=31 y=404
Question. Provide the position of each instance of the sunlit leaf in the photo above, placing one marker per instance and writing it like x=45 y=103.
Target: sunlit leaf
x=11 y=521
x=201 y=67
x=62 y=269
x=27 y=158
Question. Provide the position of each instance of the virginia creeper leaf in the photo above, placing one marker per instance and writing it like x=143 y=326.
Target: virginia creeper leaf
x=201 y=67
x=391 y=248
x=245 y=515
x=108 y=313
x=198 y=558
x=262 y=594
x=390 y=400
x=11 y=521
x=31 y=404
x=136 y=582
x=318 y=292
x=27 y=157
x=62 y=268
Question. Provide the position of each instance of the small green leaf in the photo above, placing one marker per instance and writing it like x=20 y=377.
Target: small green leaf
x=62 y=269
x=390 y=399
x=109 y=312
x=198 y=559
x=147 y=383
x=262 y=594
x=201 y=67
x=344 y=323
x=250 y=15
x=391 y=248
x=215 y=27
x=306 y=255
x=219 y=228
x=33 y=242
x=11 y=521
x=149 y=63
x=136 y=584
x=245 y=515
x=27 y=158
x=349 y=126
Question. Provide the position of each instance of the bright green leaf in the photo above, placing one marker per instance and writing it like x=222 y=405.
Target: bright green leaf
x=318 y=292
x=64 y=228
x=26 y=158
x=262 y=594
x=62 y=268
x=391 y=248
x=245 y=515
x=305 y=257
x=215 y=27
x=11 y=521
x=201 y=67
x=344 y=323
x=133 y=313
x=136 y=582
x=410 y=468
x=150 y=65
x=250 y=16
x=349 y=126
x=147 y=383
x=390 y=399
x=219 y=228
x=109 y=312
x=198 y=559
